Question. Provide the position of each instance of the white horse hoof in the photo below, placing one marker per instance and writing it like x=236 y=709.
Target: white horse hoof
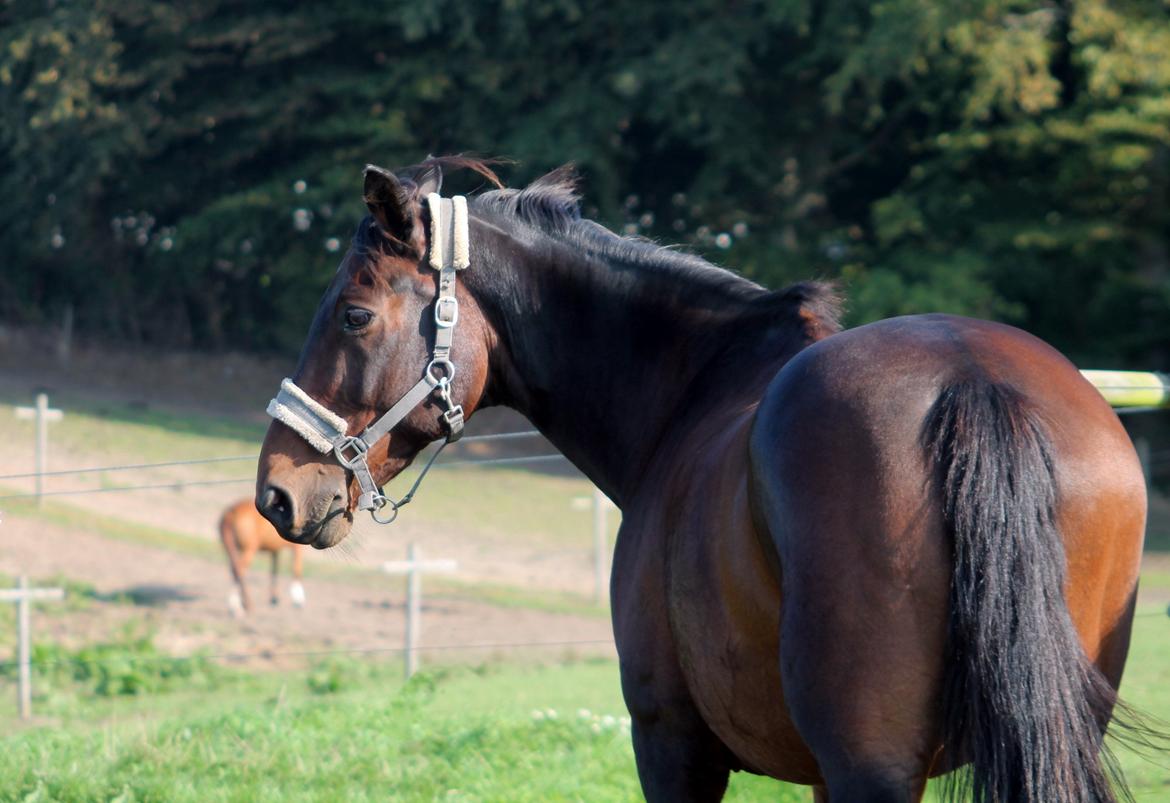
x=296 y=593
x=235 y=605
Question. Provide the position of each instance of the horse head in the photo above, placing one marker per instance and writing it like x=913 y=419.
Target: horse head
x=374 y=339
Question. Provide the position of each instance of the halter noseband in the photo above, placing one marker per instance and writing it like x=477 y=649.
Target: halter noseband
x=325 y=431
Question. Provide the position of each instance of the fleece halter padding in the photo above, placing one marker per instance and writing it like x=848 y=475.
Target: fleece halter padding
x=308 y=418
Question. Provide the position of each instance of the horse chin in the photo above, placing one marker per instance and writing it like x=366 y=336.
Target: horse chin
x=332 y=531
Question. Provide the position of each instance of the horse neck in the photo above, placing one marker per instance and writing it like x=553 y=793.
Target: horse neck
x=607 y=359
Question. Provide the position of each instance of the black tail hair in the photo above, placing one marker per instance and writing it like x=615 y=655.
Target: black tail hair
x=1021 y=700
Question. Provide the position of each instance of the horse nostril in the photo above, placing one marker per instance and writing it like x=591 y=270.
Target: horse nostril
x=276 y=505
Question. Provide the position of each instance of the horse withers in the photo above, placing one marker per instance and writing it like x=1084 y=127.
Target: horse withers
x=244 y=532
x=850 y=559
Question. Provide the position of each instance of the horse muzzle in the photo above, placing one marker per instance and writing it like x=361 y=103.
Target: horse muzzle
x=312 y=528
x=304 y=497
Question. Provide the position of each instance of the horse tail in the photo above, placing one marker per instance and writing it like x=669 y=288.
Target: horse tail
x=1021 y=700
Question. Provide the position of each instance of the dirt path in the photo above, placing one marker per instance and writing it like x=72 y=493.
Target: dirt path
x=184 y=599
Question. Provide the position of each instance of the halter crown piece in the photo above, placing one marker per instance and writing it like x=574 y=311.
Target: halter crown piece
x=325 y=431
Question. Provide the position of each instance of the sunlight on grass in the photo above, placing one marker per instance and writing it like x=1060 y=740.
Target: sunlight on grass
x=349 y=729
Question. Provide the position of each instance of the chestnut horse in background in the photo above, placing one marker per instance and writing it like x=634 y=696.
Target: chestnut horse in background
x=244 y=532
x=850 y=559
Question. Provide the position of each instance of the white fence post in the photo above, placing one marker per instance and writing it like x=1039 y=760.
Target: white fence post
x=600 y=548
x=1142 y=447
x=42 y=414
x=414 y=567
x=598 y=503
x=23 y=596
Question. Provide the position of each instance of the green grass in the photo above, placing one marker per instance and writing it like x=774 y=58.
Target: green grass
x=155 y=434
x=141 y=436
x=349 y=730
x=464 y=735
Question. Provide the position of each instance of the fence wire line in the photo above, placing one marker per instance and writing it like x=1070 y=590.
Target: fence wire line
x=386 y=650
x=130 y=658
x=177 y=485
x=528 y=433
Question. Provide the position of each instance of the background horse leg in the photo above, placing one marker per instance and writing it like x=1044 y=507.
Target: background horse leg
x=241 y=572
x=273 y=594
x=238 y=598
x=296 y=591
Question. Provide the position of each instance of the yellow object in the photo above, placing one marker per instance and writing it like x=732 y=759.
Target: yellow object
x=1132 y=388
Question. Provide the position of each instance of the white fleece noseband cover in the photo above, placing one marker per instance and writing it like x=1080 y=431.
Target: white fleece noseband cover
x=308 y=418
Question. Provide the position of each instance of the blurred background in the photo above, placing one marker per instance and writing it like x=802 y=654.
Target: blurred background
x=178 y=183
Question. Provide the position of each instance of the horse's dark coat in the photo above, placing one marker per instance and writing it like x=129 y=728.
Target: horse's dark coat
x=852 y=560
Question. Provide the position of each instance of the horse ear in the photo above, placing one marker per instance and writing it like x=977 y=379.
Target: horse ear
x=390 y=202
x=429 y=179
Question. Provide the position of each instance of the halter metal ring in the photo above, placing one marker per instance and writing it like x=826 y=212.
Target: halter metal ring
x=448 y=368
x=380 y=503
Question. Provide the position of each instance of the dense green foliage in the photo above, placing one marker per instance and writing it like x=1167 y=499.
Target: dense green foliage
x=998 y=158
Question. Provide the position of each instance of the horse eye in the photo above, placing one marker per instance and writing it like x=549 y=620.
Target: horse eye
x=357 y=318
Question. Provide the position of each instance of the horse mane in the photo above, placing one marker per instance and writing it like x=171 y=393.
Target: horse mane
x=552 y=205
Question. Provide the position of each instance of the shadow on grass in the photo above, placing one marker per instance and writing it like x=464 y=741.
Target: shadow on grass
x=147 y=596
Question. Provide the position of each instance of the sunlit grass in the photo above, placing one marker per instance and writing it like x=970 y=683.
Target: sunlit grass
x=349 y=730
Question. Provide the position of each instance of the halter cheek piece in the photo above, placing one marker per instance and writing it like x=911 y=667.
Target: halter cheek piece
x=325 y=431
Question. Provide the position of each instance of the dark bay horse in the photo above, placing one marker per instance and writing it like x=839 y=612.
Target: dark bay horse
x=849 y=559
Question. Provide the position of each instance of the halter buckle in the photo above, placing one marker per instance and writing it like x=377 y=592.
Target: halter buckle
x=446 y=311
x=359 y=446
x=454 y=420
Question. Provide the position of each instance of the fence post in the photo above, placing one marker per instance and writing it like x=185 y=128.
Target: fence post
x=42 y=414
x=600 y=548
x=23 y=596
x=413 y=610
x=24 y=648
x=413 y=567
x=1142 y=445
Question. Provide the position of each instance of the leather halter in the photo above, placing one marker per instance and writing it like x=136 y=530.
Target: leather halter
x=325 y=431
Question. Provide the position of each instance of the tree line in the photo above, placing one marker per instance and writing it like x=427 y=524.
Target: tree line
x=189 y=173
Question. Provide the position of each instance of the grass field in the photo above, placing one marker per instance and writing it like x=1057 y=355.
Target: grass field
x=350 y=730
x=140 y=725
x=347 y=731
